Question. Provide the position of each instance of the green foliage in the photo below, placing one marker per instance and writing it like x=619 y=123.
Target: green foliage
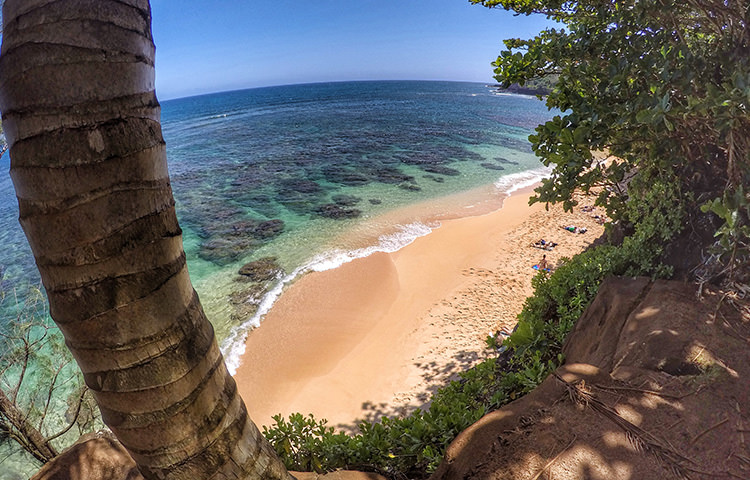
x=411 y=446
x=544 y=83
x=492 y=342
x=656 y=210
x=535 y=86
x=303 y=442
x=732 y=247
x=663 y=86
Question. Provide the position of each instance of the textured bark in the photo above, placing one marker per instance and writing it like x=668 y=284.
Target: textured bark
x=89 y=167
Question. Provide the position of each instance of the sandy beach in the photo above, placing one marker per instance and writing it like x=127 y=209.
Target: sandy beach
x=378 y=335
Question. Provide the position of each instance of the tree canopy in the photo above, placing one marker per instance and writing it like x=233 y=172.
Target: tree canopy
x=662 y=86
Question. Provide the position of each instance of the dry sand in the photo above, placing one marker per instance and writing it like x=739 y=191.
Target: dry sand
x=378 y=335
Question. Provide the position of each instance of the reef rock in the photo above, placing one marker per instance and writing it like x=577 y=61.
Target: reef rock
x=229 y=242
x=337 y=212
x=346 y=200
x=391 y=175
x=441 y=170
x=491 y=166
x=261 y=270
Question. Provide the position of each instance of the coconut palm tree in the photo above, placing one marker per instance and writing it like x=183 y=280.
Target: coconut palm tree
x=89 y=167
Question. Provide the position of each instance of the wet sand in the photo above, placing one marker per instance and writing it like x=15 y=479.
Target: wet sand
x=378 y=335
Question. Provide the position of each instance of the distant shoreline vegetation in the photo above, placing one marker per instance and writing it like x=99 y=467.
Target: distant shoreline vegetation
x=540 y=86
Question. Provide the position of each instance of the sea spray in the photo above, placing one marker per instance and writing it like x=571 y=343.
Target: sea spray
x=233 y=348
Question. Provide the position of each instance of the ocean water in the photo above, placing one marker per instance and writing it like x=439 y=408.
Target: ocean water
x=317 y=162
x=307 y=177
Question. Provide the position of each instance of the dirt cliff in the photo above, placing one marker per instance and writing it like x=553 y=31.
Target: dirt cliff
x=655 y=386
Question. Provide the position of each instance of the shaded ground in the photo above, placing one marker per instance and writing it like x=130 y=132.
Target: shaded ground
x=94 y=456
x=655 y=387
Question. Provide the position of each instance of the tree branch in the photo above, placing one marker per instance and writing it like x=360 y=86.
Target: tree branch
x=50 y=392
x=65 y=430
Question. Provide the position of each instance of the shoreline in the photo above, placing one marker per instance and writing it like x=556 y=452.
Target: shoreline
x=386 y=232
x=377 y=335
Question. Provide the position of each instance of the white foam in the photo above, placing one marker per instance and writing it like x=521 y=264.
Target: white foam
x=516 y=181
x=529 y=96
x=234 y=346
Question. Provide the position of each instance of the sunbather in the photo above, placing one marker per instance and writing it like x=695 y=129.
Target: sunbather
x=544 y=244
x=574 y=229
x=542 y=265
x=543 y=262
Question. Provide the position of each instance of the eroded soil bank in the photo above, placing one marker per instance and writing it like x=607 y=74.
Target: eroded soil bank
x=655 y=386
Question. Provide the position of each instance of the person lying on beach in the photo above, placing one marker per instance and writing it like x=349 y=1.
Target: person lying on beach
x=574 y=229
x=544 y=245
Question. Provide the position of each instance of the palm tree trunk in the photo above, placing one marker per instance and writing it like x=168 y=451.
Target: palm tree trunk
x=88 y=163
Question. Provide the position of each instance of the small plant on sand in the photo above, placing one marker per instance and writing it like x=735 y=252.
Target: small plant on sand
x=304 y=443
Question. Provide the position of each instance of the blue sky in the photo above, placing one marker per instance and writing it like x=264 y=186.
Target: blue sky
x=217 y=45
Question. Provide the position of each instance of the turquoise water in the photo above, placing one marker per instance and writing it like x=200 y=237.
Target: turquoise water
x=310 y=175
x=319 y=161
